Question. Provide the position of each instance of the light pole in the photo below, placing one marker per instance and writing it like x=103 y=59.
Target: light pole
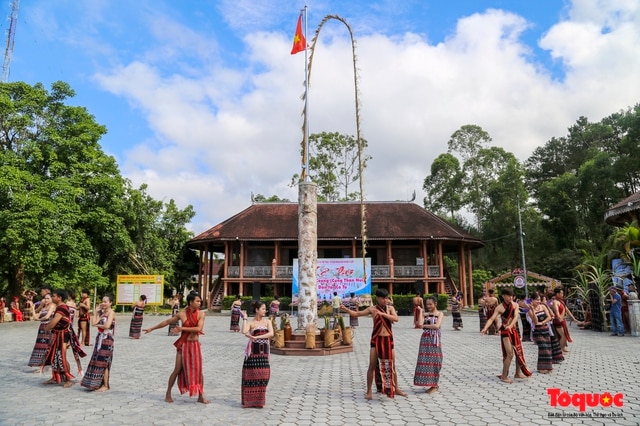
x=524 y=264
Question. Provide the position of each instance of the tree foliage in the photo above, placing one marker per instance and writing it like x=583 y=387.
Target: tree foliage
x=333 y=165
x=67 y=217
x=564 y=189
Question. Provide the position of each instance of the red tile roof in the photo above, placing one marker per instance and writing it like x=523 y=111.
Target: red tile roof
x=337 y=221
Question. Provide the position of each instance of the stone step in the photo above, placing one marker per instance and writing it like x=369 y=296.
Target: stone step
x=335 y=350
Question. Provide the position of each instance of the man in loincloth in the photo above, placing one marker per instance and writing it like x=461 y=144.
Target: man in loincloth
x=382 y=351
x=188 y=365
x=509 y=337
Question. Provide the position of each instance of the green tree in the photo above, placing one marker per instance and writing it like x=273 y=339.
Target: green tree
x=468 y=142
x=259 y=198
x=444 y=186
x=52 y=170
x=333 y=165
x=67 y=217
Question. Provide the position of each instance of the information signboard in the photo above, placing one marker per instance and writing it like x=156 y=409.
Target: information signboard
x=129 y=288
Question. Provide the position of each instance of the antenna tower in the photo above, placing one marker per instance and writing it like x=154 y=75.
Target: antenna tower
x=11 y=34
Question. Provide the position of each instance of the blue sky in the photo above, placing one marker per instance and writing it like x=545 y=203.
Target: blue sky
x=201 y=99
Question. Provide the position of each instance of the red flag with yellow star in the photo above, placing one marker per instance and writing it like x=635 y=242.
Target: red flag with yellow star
x=299 y=42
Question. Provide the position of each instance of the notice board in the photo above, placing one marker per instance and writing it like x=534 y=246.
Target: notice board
x=129 y=288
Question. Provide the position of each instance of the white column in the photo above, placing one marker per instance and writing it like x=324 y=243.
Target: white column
x=307 y=254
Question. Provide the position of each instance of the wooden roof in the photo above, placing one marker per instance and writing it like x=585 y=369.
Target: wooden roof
x=626 y=211
x=337 y=221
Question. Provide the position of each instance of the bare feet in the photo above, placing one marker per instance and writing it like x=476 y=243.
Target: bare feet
x=49 y=382
x=102 y=389
x=544 y=371
x=68 y=384
x=505 y=379
x=168 y=398
x=400 y=392
x=368 y=395
x=521 y=376
x=432 y=389
x=202 y=400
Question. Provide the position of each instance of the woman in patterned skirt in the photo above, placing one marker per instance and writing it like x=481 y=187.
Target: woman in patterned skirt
x=62 y=337
x=97 y=376
x=430 y=352
x=354 y=305
x=255 y=369
x=175 y=308
x=455 y=311
x=556 y=351
x=28 y=312
x=236 y=313
x=541 y=317
x=42 y=340
x=71 y=304
x=135 y=329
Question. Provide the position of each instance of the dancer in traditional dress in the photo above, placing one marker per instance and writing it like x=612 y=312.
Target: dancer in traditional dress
x=482 y=311
x=490 y=305
x=418 y=310
x=382 y=353
x=3 y=304
x=255 y=369
x=540 y=318
x=28 y=311
x=61 y=338
x=524 y=305
x=509 y=338
x=14 y=308
x=274 y=307
x=354 y=305
x=135 y=328
x=41 y=347
x=175 y=308
x=236 y=313
x=97 y=375
x=188 y=365
x=455 y=311
x=430 y=352
x=560 y=310
x=84 y=317
x=71 y=303
x=556 y=351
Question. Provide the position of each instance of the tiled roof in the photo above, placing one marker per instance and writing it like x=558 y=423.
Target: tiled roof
x=337 y=221
x=622 y=212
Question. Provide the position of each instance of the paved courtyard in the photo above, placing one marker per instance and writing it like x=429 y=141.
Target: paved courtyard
x=326 y=390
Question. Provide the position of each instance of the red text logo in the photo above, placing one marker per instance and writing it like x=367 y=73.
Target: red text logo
x=584 y=400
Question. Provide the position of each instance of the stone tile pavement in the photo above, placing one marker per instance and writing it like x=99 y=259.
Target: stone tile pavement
x=324 y=390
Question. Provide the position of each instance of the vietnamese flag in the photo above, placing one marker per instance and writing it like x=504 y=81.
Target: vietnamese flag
x=299 y=42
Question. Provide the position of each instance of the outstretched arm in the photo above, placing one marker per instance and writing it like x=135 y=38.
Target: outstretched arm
x=165 y=323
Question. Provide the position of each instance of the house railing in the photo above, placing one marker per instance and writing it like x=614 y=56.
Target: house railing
x=377 y=271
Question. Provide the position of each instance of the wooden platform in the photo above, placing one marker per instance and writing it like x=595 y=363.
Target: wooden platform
x=295 y=347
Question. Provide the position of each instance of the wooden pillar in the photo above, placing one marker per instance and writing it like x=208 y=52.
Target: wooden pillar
x=441 y=266
x=470 y=270
x=241 y=259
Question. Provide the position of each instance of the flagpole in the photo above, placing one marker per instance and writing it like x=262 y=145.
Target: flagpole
x=306 y=101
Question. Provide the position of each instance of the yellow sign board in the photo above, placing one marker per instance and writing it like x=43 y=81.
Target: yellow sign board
x=129 y=288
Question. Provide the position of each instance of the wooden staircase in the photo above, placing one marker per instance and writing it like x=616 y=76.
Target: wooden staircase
x=449 y=285
x=216 y=303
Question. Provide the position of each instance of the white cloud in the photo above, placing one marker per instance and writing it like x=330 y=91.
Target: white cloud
x=226 y=132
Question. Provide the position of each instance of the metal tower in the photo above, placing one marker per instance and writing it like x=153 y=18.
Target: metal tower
x=11 y=34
